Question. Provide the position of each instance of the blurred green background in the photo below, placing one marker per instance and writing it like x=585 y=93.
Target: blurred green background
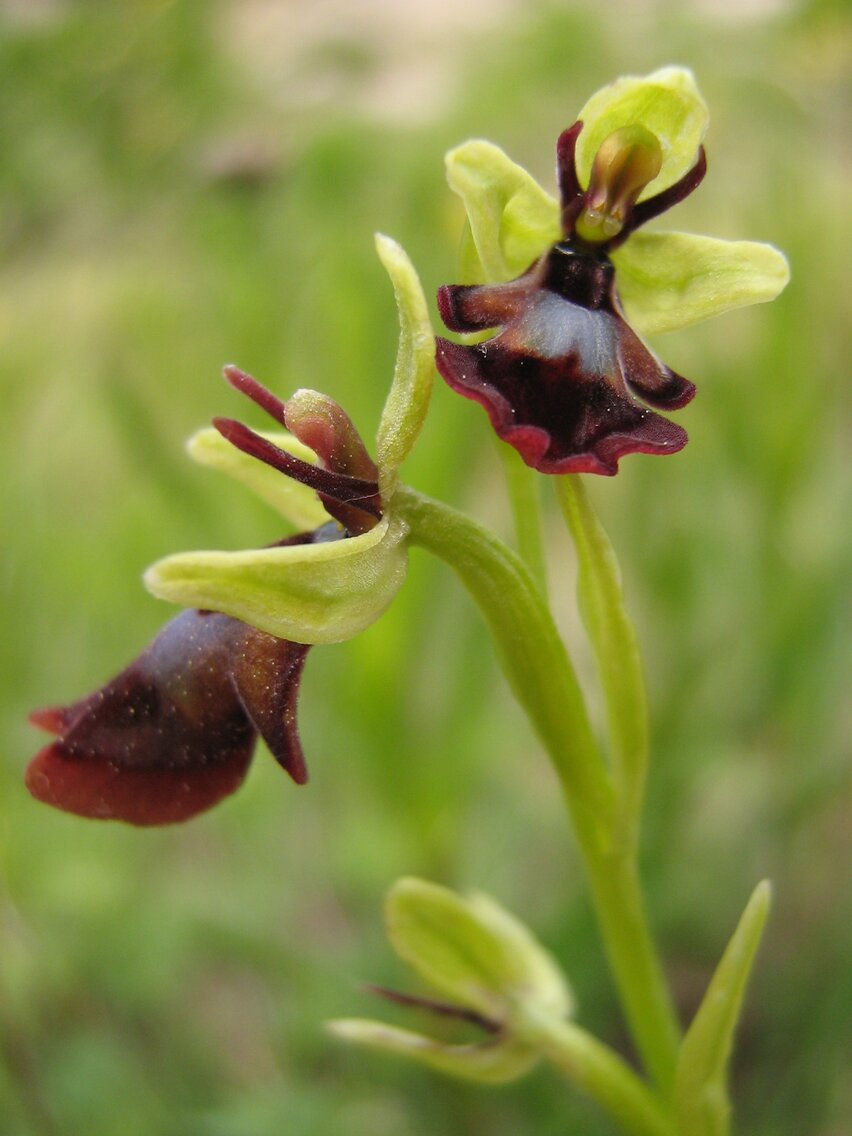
x=186 y=184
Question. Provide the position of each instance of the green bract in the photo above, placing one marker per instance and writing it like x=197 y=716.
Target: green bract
x=665 y=280
x=322 y=591
x=701 y=1091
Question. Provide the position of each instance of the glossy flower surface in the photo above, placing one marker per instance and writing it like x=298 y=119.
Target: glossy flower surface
x=567 y=380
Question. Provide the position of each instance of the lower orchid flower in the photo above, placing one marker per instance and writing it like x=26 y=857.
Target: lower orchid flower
x=566 y=380
x=174 y=732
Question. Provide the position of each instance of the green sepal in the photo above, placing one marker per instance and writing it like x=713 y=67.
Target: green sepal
x=701 y=1095
x=510 y=217
x=408 y=399
x=308 y=593
x=474 y=952
x=492 y=1063
x=671 y=280
x=666 y=102
x=294 y=501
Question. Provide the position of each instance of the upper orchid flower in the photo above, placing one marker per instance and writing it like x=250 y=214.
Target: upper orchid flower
x=561 y=378
x=174 y=732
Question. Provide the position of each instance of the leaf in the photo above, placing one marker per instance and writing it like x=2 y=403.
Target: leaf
x=701 y=1097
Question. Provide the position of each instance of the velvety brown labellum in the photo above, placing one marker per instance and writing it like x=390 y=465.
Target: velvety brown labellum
x=558 y=381
x=174 y=732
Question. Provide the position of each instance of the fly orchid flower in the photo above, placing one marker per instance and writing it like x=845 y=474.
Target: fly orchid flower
x=174 y=732
x=567 y=380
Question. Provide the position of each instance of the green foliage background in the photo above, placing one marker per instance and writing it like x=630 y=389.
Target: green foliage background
x=173 y=198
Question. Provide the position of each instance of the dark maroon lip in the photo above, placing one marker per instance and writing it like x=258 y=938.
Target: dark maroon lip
x=175 y=731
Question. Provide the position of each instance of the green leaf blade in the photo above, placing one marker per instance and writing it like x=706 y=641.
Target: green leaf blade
x=701 y=1096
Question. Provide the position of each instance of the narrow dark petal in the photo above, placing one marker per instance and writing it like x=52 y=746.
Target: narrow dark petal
x=650 y=378
x=477 y=307
x=441 y=1009
x=340 y=487
x=266 y=673
x=257 y=392
x=346 y=479
x=570 y=194
x=645 y=211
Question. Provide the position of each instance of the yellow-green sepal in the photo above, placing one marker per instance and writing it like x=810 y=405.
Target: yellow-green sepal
x=493 y=1062
x=667 y=103
x=511 y=220
x=408 y=399
x=671 y=280
x=294 y=501
x=474 y=952
x=308 y=593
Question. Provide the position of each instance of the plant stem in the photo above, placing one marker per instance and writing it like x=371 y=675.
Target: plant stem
x=645 y=997
x=530 y=650
x=616 y=648
x=525 y=501
x=600 y=1073
x=539 y=671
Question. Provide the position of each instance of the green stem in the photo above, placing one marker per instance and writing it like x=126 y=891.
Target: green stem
x=600 y=1073
x=539 y=671
x=530 y=649
x=616 y=648
x=645 y=997
x=525 y=502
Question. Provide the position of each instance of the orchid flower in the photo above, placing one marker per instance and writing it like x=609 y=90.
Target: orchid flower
x=174 y=732
x=567 y=380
